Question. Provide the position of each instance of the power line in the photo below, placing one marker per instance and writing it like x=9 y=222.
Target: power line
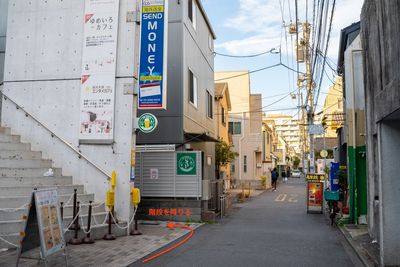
x=257 y=70
x=272 y=50
x=326 y=47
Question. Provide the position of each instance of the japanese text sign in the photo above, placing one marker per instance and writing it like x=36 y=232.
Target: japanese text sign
x=153 y=55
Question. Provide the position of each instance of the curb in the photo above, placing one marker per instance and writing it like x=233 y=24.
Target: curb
x=360 y=252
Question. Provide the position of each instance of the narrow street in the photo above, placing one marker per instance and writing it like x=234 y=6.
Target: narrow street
x=272 y=229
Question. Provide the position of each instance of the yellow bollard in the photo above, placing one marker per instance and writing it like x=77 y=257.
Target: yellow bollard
x=249 y=189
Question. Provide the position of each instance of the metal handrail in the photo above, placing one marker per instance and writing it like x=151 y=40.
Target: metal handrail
x=27 y=114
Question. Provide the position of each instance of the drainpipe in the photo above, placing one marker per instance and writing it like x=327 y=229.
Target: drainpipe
x=240 y=145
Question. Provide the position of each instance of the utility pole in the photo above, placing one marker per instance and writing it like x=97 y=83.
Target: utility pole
x=309 y=80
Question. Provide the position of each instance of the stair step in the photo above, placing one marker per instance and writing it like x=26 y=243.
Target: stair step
x=27 y=190
x=17 y=202
x=25 y=163
x=27 y=172
x=68 y=212
x=11 y=227
x=12 y=146
x=41 y=180
x=96 y=233
x=100 y=217
x=18 y=154
x=5 y=130
x=13 y=139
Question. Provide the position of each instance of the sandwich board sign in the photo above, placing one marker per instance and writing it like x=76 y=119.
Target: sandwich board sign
x=44 y=226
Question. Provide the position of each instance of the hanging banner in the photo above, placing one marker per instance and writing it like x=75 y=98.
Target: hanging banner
x=153 y=55
x=98 y=71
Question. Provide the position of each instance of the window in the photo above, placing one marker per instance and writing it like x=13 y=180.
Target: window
x=209 y=105
x=235 y=127
x=192 y=12
x=223 y=118
x=192 y=89
x=232 y=166
x=244 y=163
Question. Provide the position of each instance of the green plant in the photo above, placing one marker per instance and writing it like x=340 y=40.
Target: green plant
x=296 y=162
x=263 y=181
x=224 y=153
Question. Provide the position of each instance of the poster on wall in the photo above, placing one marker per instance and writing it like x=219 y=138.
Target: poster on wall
x=153 y=55
x=98 y=71
x=186 y=163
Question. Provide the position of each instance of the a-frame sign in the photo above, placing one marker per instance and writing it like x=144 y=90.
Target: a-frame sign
x=44 y=226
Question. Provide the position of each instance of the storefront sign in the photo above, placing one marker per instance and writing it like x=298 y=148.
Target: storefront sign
x=153 y=55
x=314 y=196
x=315 y=177
x=147 y=122
x=98 y=71
x=186 y=163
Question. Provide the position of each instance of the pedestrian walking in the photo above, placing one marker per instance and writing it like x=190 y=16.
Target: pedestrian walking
x=274 y=178
x=283 y=176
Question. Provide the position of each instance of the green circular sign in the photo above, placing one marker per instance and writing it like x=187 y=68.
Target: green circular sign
x=147 y=122
x=186 y=164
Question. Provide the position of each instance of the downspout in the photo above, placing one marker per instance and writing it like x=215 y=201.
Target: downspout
x=240 y=146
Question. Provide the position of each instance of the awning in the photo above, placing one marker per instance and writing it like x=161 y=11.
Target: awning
x=199 y=137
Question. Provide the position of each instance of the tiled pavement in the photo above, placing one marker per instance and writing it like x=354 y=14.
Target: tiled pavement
x=120 y=252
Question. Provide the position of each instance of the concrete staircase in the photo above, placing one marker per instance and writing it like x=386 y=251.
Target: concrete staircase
x=21 y=171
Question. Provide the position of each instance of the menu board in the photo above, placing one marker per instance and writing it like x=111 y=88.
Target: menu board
x=49 y=221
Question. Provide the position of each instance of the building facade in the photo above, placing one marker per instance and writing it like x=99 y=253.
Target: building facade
x=222 y=106
x=380 y=48
x=188 y=122
x=245 y=125
x=288 y=128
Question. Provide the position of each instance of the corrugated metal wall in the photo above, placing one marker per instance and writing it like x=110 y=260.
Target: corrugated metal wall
x=168 y=183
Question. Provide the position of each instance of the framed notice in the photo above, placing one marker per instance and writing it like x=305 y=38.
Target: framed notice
x=98 y=71
x=153 y=54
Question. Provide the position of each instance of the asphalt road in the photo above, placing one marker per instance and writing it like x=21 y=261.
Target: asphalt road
x=271 y=230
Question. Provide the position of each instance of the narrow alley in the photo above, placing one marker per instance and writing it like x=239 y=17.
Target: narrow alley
x=272 y=229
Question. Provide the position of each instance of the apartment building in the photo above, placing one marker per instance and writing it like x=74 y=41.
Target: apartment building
x=245 y=125
x=288 y=128
x=187 y=125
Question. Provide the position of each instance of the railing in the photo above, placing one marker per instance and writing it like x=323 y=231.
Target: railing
x=79 y=153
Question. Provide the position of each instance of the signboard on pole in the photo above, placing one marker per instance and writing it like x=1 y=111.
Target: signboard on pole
x=186 y=163
x=153 y=55
x=98 y=71
x=316 y=129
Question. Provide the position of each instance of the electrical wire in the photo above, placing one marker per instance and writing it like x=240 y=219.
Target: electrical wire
x=272 y=50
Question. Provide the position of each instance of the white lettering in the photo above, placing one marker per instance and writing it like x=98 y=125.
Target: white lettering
x=150 y=70
x=151 y=59
x=151 y=48
x=152 y=36
x=152 y=26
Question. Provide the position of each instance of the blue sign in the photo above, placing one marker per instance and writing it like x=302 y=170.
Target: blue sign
x=152 y=64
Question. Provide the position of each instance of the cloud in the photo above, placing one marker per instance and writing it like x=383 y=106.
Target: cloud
x=259 y=24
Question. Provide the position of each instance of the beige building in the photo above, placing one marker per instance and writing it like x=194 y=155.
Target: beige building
x=222 y=105
x=245 y=125
x=333 y=109
x=288 y=129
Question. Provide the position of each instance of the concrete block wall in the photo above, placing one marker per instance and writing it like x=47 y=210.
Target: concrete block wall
x=42 y=74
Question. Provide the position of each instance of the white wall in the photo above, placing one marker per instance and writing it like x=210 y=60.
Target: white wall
x=42 y=74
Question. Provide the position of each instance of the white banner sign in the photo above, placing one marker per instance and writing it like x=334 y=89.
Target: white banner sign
x=98 y=71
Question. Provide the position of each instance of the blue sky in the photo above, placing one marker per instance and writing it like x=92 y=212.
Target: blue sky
x=245 y=27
